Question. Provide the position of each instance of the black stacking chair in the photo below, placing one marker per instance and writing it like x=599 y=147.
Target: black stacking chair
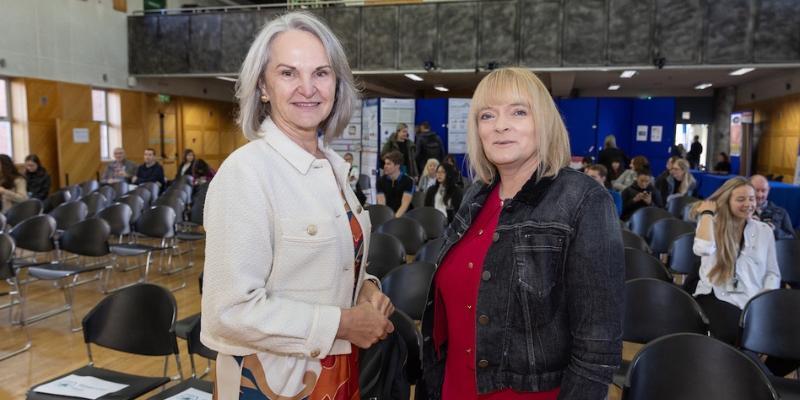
x=386 y=252
x=689 y=366
x=407 y=329
x=154 y=189
x=682 y=259
x=174 y=202
x=109 y=192
x=430 y=251
x=75 y=191
x=677 y=205
x=34 y=234
x=121 y=188
x=685 y=214
x=188 y=230
x=56 y=199
x=195 y=347
x=22 y=211
x=89 y=186
x=135 y=320
x=407 y=286
x=137 y=205
x=409 y=231
x=640 y=264
x=95 y=201
x=8 y=274
x=630 y=239
x=788 y=254
x=378 y=214
x=431 y=219
x=118 y=217
x=644 y=217
x=145 y=194
x=68 y=214
x=663 y=232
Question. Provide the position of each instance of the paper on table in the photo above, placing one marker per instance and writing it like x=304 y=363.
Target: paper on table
x=85 y=387
x=191 y=394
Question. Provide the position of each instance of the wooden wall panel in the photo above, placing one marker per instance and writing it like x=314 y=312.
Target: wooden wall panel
x=779 y=122
x=76 y=102
x=43 y=100
x=78 y=161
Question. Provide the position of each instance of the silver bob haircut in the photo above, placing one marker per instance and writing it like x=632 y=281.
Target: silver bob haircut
x=252 y=112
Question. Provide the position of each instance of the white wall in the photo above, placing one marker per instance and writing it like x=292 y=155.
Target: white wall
x=769 y=87
x=64 y=40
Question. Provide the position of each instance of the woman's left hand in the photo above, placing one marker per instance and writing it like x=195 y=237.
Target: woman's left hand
x=370 y=293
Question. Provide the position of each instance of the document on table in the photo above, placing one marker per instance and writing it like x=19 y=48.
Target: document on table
x=85 y=387
x=191 y=394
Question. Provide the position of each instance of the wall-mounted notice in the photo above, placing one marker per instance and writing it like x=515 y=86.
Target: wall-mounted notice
x=457 y=115
x=655 y=133
x=393 y=112
x=351 y=136
x=641 y=133
x=80 y=135
x=369 y=125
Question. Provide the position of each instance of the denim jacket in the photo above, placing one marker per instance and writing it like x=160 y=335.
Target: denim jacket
x=552 y=291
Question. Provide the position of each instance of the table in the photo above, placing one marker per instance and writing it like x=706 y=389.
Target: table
x=781 y=194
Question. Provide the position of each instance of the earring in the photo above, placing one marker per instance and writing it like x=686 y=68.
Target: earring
x=264 y=99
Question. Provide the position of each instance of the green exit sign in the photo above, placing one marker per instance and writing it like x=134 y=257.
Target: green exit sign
x=155 y=4
x=163 y=98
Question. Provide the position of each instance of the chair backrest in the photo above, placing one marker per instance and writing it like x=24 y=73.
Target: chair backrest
x=430 y=251
x=145 y=194
x=157 y=222
x=193 y=343
x=364 y=182
x=409 y=231
x=56 y=199
x=68 y=214
x=431 y=219
x=655 y=308
x=176 y=190
x=418 y=199
x=689 y=366
x=139 y=319
x=96 y=202
x=89 y=186
x=136 y=204
x=681 y=255
x=644 y=217
x=624 y=226
x=385 y=253
x=407 y=329
x=676 y=205
x=788 y=253
x=154 y=189
x=640 y=264
x=197 y=212
x=173 y=202
x=407 y=286
x=86 y=238
x=118 y=217
x=110 y=193
x=378 y=214
x=35 y=233
x=6 y=252
x=686 y=215
x=121 y=188
x=23 y=210
x=75 y=191
x=630 y=239
x=770 y=324
x=663 y=232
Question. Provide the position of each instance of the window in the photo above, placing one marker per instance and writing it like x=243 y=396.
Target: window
x=106 y=110
x=5 y=119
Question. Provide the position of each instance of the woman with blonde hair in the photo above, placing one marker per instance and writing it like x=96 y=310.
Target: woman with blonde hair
x=737 y=256
x=679 y=182
x=638 y=164
x=610 y=152
x=428 y=177
x=541 y=243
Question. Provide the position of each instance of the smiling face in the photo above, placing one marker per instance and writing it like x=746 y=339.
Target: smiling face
x=742 y=202
x=431 y=167
x=299 y=83
x=761 y=186
x=677 y=172
x=642 y=181
x=508 y=136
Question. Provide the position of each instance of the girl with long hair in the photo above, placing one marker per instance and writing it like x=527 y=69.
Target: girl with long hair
x=13 y=187
x=445 y=195
x=737 y=253
x=38 y=180
x=679 y=182
x=186 y=165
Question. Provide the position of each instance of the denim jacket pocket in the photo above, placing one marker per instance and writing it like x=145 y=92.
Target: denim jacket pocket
x=536 y=260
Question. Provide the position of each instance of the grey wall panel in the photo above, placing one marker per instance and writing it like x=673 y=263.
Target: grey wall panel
x=417 y=35
x=540 y=33
x=777 y=34
x=205 y=52
x=499 y=33
x=173 y=44
x=458 y=36
x=379 y=37
x=237 y=33
x=345 y=22
x=630 y=31
x=729 y=32
x=679 y=31
x=143 y=45
x=584 y=32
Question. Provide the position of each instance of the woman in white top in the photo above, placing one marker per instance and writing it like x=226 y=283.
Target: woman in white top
x=445 y=195
x=352 y=177
x=737 y=253
x=428 y=177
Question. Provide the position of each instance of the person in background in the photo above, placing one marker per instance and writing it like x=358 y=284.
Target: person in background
x=186 y=165
x=429 y=145
x=150 y=171
x=528 y=296
x=428 y=177
x=679 y=151
x=598 y=173
x=202 y=172
x=638 y=164
x=639 y=195
x=665 y=173
x=353 y=174
x=723 y=165
x=395 y=189
x=617 y=169
x=399 y=141
x=680 y=182
x=776 y=217
x=451 y=159
x=610 y=152
x=13 y=187
x=694 y=153
x=737 y=256
x=445 y=196
x=37 y=177
x=585 y=163
x=119 y=170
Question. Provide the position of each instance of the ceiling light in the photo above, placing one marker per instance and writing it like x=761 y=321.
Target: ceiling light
x=441 y=88
x=414 y=77
x=227 y=78
x=627 y=74
x=741 y=71
x=703 y=86
x=613 y=86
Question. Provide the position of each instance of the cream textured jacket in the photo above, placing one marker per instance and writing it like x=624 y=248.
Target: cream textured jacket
x=279 y=261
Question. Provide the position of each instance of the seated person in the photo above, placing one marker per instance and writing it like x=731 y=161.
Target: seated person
x=639 y=195
x=665 y=173
x=37 y=177
x=395 y=189
x=202 y=172
x=119 y=170
x=445 y=195
x=680 y=182
x=775 y=216
x=150 y=171
x=585 y=163
x=599 y=173
x=638 y=164
x=723 y=165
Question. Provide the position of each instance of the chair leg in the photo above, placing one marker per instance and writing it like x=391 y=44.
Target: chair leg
x=22 y=322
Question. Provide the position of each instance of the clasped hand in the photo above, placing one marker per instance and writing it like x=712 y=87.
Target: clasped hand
x=367 y=322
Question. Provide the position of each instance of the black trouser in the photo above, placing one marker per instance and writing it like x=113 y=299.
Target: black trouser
x=723 y=317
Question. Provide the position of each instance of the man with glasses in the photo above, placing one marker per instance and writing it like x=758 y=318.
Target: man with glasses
x=119 y=170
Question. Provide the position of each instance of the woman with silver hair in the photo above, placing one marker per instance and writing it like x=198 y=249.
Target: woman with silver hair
x=286 y=295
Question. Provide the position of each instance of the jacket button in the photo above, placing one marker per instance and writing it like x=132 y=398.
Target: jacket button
x=359 y=209
x=486 y=275
x=483 y=320
x=312 y=230
x=495 y=237
x=315 y=353
x=480 y=232
x=470 y=265
x=483 y=363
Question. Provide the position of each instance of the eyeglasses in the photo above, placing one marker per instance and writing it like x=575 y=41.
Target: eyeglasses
x=675 y=169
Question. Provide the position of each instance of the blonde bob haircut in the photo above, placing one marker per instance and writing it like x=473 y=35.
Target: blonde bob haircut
x=519 y=85
x=252 y=112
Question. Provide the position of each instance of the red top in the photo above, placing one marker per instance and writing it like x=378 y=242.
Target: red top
x=456 y=286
